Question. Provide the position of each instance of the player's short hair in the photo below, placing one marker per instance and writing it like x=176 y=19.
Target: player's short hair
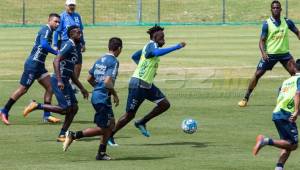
x=53 y=15
x=298 y=64
x=69 y=31
x=154 y=29
x=115 y=43
x=275 y=2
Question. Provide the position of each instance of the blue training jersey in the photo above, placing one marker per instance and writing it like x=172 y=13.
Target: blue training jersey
x=67 y=20
x=107 y=65
x=69 y=59
x=37 y=57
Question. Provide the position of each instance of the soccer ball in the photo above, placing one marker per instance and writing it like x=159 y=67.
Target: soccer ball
x=189 y=126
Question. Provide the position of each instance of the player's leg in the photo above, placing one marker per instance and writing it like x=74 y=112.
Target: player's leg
x=284 y=155
x=289 y=64
x=288 y=137
x=134 y=100
x=262 y=67
x=44 y=80
x=105 y=122
x=62 y=97
x=162 y=104
x=27 y=79
x=4 y=112
x=67 y=123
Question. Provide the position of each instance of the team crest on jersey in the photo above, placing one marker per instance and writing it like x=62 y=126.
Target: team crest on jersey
x=76 y=19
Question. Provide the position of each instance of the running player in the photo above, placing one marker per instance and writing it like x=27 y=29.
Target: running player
x=64 y=71
x=141 y=85
x=102 y=77
x=34 y=69
x=284 y=116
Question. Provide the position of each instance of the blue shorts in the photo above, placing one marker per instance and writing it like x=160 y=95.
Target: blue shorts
x=287 y=130
x=104 y=115
x=138 y=93
x=28 y=77
x=66 y=97
x=268 y=65
x=78 y=49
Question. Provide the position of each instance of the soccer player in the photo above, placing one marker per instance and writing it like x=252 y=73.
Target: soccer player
x=102 y=77
x=64 y=71
x=274 y=47
x=34 y=69
x=284 y=116
x=70 y=18
x=141 y=85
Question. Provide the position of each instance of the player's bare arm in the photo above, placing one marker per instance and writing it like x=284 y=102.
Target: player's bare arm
x=110 y=87
x=262 y=47
x=294 y=116
x=91 y=80
x=56 y=65
x=84 y=92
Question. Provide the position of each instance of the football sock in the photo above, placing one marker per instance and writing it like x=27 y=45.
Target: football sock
x=46 y=113
x=141 y=122
x=78 y=135
x=8 y=105
x=102 y=149
x=279 y=165
x=268 y=141
x=248 y=94
x=62 y=132
x=40 y=106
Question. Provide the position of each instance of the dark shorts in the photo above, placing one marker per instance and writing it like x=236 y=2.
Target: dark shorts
x=268 y=65
x=28 y=77
x=104 y=115
x=137 y=94
x=78 y=49
x=287 y=130
x=66 y=97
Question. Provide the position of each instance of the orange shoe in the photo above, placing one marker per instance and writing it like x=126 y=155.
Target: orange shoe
x=243 y=103
x=51 y=119
x=258 y=145
x=4 y=118
x=31 y=107
x=61 y=138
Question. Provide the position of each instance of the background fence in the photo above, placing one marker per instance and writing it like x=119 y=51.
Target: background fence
x=141 y=12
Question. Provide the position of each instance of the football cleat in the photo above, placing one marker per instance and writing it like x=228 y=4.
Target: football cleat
x=103 y=157
x=31 y=107
x=243 y=103
x=4 y=118
x=111 y=142
x=142 y=129
x=51 y=119
x=61 y=138
x=258 y=145
x=68 y=140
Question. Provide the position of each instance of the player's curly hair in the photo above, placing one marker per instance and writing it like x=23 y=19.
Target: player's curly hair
x=154 y=29
x=298 y=64
x=275 y=2
x=70 y=29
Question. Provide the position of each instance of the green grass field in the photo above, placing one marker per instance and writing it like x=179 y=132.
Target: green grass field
x=204 y=81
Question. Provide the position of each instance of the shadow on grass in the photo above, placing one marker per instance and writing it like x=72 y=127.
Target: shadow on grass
x=140 y=158
x=192 y=144
x=83 y=122
x=98 y=138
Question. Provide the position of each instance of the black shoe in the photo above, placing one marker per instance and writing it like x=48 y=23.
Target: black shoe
x=103 y=157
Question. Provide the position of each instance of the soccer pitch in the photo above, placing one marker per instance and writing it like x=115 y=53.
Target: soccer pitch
x=203 y=81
